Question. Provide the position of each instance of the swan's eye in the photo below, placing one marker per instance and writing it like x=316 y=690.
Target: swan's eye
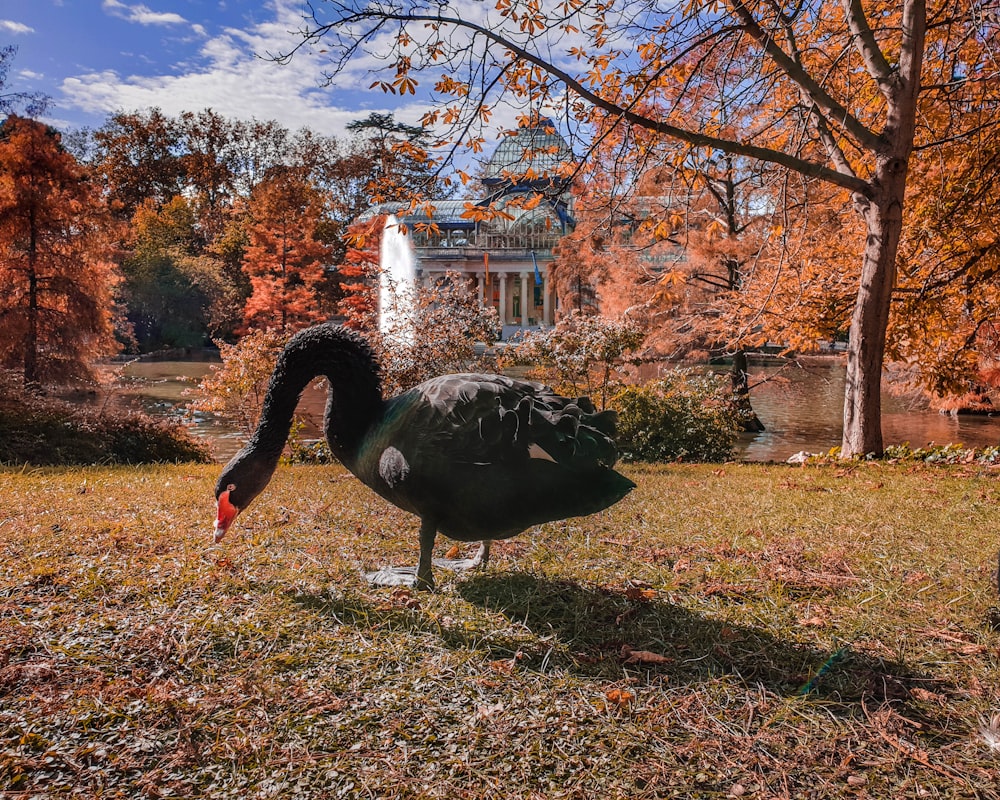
x=230 y=487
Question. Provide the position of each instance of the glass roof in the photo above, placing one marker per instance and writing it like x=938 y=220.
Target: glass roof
x=446 y=213
x=538 y=148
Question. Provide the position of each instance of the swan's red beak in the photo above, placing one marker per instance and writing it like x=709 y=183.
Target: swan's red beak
x=224 y=516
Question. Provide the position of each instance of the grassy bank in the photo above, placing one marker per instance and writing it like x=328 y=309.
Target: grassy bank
x=726 y=631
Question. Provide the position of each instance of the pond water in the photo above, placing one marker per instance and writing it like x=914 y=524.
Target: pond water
x=800 y=405
x=161 y=388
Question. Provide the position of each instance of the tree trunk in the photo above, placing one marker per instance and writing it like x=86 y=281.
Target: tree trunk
x=882 y=210
x=741 y=393
x=883 y=217
x=30 y=362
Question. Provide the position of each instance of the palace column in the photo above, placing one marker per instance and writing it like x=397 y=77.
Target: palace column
x=524 y=299
x=481 y=290
x=546 y=300
x=502 y=277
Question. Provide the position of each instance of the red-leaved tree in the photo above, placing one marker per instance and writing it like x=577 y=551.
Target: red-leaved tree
x=57 y=310
x=291 y=244
x=359 y=274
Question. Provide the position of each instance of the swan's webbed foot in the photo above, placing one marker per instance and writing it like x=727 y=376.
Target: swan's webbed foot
x=480 y=559
x=419 y=577
x=399 y=576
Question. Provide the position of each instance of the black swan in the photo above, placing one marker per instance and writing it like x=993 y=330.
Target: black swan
x=476 y=457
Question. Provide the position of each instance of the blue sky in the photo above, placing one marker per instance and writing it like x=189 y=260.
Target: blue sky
x=93 y=57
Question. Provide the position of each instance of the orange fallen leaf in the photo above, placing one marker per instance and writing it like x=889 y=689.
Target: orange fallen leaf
x=643 y=656
x=453 y=552
x=619 y=697
x=503 y=666
x=926 y=696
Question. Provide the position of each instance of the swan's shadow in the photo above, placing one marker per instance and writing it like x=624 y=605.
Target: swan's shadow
x=598 y=626
x=589 y=630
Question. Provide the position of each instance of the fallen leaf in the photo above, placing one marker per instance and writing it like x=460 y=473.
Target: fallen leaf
x=619 y=697
x=638 y=593
x=643 y=656
x=927 y=696
x=484 y=712
x=503 y=666
x=453 y=552
x=401 y=597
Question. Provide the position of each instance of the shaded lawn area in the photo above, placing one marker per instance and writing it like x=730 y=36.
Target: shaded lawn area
x=725 y=631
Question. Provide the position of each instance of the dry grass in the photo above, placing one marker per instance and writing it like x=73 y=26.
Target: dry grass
x=737 y=631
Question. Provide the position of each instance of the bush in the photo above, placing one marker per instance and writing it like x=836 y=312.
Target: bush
x=582 y=354
x=235 y=391
x=685 y=415
x=48 y=432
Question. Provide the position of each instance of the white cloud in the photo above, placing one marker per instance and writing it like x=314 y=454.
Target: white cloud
x=16 y=28
x=142 y=14
x=234 y=76
x=232 y=72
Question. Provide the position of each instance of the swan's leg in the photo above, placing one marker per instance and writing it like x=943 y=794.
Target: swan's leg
x=425 y=576
x=420 y=577
x=480 y=559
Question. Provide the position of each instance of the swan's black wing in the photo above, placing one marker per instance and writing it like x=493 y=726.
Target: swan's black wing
x=487 y=455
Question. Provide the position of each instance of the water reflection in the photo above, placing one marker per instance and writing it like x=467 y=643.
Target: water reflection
x=801 y=405
x=162 y=388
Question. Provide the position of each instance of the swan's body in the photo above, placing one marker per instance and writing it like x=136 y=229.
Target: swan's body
x=476 y=457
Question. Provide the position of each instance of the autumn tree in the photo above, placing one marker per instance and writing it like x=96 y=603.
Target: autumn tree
x=289 y=250
x=359 y=273
x=174 y=289
x=946 y=328
x=401 y=168
x=138 y=158
x=672 y=255
x=58 y=309
x=209 y=157
x=830 y=91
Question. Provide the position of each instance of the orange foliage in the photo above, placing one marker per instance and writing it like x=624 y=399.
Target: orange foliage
x=287 y=257
x=359 y=274
x=55 y=259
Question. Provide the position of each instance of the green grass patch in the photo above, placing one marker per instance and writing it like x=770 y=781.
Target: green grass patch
x=725 y=631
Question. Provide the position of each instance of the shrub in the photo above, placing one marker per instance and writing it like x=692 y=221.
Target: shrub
x=434 y=333
x=686 y=415
x=48 y=432
x=582 y=354
x=235 y=390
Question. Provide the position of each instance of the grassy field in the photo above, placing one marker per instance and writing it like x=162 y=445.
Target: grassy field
x=726 y=631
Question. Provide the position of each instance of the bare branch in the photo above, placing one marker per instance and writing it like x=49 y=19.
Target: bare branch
x=867 y=46
x=865 y=137
x=626 y=113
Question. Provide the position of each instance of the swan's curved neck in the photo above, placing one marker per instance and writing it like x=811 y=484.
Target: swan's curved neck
x=355 y=395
